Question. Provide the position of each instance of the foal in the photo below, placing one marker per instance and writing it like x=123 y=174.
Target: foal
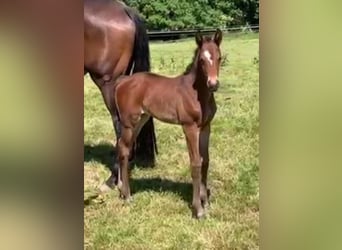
x=186 y=100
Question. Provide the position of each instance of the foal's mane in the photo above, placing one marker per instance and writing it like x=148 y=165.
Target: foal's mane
x=194 y=57
x=193 y=61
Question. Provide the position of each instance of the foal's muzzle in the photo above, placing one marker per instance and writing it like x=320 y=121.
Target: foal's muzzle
x=213 y=85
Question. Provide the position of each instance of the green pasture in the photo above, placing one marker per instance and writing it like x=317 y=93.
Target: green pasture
x=159 y=216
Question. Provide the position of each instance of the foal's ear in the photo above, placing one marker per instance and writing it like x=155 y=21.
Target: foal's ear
x=218 y=37
x=199 y=38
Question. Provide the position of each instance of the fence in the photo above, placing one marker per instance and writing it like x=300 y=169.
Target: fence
x=176 y=34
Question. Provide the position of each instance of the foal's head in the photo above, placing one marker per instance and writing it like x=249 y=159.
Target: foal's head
x=210 y=57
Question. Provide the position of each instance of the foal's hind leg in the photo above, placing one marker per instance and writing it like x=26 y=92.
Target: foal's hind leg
x=204 y=151
x=192 y=138
x=124 y=146
x=128 y=136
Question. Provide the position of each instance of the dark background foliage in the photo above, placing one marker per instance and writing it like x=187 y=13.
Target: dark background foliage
x=188 y=14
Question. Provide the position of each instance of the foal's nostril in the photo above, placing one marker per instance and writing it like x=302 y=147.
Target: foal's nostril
x=213 y=85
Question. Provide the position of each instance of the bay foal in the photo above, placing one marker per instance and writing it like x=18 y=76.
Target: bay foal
x=186 y=100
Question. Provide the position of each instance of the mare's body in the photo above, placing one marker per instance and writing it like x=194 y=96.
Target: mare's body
x=187 y=100
x=116 y=43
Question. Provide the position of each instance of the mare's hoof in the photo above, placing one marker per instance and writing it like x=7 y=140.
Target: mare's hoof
x=112 y=181
x=104 y=188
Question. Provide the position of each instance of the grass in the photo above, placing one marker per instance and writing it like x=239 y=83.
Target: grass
x=160 y=217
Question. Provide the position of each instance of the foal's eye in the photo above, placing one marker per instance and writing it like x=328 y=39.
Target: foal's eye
x=220 y=58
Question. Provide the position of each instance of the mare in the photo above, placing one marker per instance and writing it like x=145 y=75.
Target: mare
x=116 y=43
x=186 y=100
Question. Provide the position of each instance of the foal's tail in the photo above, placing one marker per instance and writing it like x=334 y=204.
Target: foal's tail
x=146 y=144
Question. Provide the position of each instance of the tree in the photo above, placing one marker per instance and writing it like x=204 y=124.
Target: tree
x=186 y=14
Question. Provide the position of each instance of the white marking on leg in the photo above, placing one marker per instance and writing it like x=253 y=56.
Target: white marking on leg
x=207 y=55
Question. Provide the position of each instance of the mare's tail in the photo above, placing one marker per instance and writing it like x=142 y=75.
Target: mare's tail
x=145 y=146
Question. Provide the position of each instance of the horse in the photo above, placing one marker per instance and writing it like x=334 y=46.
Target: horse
x=187 y=100
x=116 y=43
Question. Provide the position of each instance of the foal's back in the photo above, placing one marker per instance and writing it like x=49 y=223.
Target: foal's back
x=159 y=96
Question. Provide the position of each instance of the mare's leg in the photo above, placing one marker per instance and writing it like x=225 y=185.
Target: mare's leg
x=204 y=151
x=107 y=94
x=139 y=125
x=114 y=177
x=192 y=137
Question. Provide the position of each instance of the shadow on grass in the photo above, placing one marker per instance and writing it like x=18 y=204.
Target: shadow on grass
x=158 y=185
x=103 y=153
x=183 y=189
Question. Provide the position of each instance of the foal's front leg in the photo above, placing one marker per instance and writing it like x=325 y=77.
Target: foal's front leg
x=192 y=138
x=204 y=151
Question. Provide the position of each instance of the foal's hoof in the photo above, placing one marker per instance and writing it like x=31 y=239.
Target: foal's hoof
x=200 y=214
x=127 y=200
x=205 y=204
